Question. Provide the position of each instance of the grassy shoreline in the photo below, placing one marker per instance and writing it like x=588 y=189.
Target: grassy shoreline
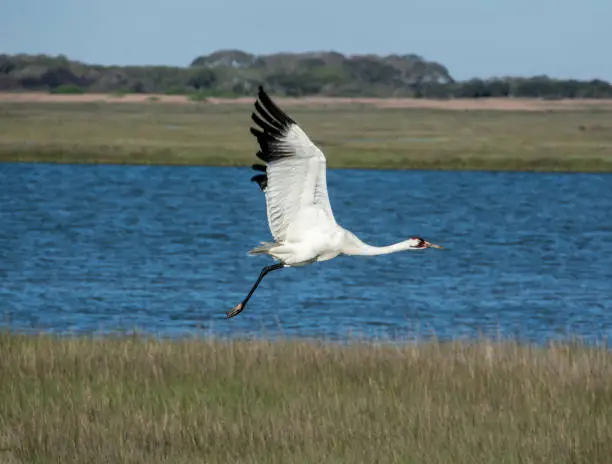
x=352 y=136
x=132 y=399
x=541 y=165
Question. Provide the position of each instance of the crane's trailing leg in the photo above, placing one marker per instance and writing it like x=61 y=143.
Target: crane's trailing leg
x=240 y=307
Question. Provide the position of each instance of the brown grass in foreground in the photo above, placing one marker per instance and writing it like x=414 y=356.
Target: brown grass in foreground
x=143 y=401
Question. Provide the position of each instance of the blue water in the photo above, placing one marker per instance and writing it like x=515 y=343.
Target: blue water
x=162 y=250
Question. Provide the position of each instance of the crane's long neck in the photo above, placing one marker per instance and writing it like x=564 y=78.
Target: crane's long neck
x=355 y=247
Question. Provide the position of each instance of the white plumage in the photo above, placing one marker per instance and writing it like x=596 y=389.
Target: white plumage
x=297 y=203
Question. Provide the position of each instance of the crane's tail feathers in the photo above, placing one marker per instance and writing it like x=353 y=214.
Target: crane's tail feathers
x=262 y=249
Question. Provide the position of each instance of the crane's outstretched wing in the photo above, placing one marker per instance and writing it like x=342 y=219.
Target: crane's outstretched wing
x=294 y=180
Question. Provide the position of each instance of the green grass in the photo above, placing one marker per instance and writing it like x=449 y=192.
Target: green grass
x=143 y=401
x=351 y=136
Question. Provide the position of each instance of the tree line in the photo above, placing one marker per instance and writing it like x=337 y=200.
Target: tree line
x=236 y=73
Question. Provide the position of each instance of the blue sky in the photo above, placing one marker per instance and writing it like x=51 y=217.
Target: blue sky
x=481 y=38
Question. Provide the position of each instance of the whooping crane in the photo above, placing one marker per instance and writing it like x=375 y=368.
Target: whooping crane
x=299 y=214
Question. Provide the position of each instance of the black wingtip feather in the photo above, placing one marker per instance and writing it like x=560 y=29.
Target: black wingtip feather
x=269 y=119
x=262 y=181
x=266 y=126
x=273 y=124
x=257 y=133
x=274 y=110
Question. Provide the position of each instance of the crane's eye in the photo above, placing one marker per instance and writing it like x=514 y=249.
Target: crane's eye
x=419 y=240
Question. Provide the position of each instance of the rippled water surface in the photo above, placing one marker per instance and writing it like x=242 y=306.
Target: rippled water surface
x=163 y=250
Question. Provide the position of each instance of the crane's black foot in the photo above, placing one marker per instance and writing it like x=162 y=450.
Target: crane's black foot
x=235 y=311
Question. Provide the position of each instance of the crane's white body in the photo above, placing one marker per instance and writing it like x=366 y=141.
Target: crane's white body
x=299 y=213
x=297 y=203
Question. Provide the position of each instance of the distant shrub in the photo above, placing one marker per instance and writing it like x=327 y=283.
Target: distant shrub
x=198 y=97
x=68 y=89
x=232 y=73
x=176 y=91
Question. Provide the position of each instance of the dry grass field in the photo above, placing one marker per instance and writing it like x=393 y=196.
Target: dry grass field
x=384 y=134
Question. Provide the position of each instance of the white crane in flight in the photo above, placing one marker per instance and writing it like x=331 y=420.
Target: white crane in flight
x=299 y=214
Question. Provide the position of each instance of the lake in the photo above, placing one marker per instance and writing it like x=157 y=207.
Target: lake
x=162 y=250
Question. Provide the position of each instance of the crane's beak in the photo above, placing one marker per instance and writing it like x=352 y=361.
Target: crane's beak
x=433 y=245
